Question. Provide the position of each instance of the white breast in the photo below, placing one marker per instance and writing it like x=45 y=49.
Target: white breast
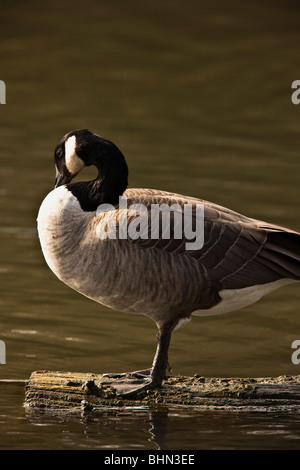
x=54 y=219
x=71 y=246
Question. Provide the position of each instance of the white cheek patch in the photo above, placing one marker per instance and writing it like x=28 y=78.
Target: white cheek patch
x=74 y=164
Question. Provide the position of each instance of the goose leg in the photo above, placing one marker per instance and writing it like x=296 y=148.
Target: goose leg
x=129 y=384
x=139 y=373
x=160 y=362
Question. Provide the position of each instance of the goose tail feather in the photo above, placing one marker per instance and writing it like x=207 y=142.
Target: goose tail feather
x=283 y=247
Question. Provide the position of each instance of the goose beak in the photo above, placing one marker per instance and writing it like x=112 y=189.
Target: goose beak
x=62 y=179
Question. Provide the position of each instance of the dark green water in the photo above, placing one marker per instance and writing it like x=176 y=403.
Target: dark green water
x=197 y=95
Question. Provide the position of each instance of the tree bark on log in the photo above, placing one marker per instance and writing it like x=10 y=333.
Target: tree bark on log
x=63 y=391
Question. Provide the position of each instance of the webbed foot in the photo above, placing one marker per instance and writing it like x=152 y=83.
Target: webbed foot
x=123 y=375
x=131 y=384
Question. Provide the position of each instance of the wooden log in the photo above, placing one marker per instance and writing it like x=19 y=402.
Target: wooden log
x=71 y=391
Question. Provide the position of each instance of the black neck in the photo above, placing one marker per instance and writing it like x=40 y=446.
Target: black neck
x=106 y=189
x=112 y=177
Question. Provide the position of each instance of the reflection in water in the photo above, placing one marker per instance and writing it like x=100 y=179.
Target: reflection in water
x=147 y=428
x=159 y=422
x=166 y=429
x=140 y=428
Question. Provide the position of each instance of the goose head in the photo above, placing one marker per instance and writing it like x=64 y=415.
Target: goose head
x=81 y=148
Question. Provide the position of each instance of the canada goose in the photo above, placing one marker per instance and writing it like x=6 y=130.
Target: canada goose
x=241 y=259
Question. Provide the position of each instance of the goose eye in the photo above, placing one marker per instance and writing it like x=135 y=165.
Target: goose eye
x=59 y=152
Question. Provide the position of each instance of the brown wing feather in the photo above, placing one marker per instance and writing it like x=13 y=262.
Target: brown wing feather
x=238 y=251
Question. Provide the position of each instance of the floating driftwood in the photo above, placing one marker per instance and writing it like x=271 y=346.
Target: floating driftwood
x=87 y=392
